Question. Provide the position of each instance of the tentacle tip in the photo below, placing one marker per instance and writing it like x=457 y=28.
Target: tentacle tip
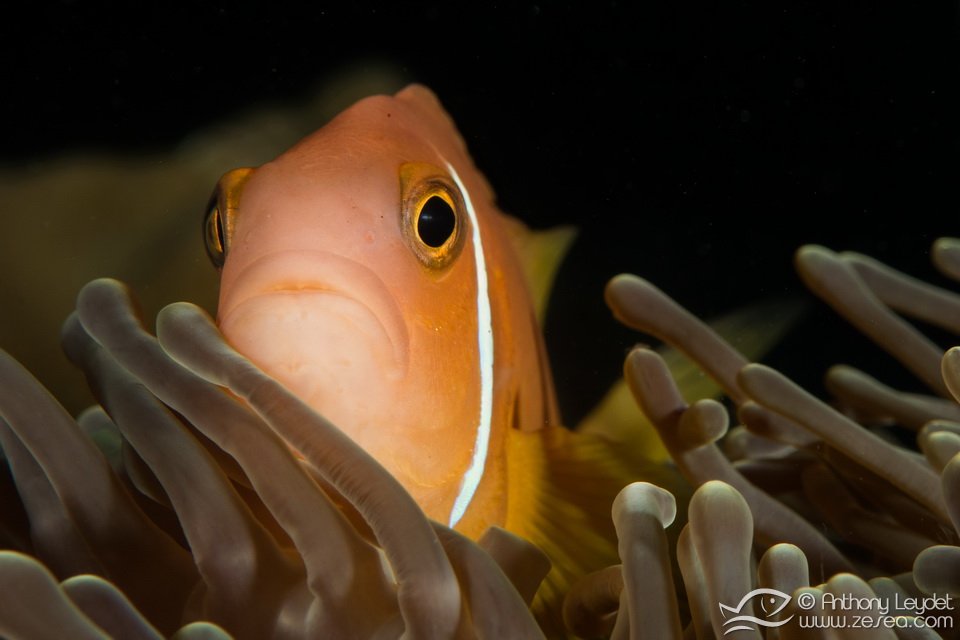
x=641 y=355
x=619 y=286
x=952 y=357
x=811 y=252
x=644 y=497
x=72 y=336
x=753 y=371
x=711 y=418
x=97 y=289
x=785 y=549
x=950 y=371
x=841 y=370
x=942 y=245
x=717 y=491
x=176 y=311
x=181 y=318
x=106 y=298
x=624 y=280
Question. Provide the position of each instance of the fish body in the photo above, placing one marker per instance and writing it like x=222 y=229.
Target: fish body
x=369 y=270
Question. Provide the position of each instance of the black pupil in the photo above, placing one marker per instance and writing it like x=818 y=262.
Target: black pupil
x=436 y=222
x=219 y=229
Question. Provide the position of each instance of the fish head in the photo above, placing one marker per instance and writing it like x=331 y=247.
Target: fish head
x=366 y=270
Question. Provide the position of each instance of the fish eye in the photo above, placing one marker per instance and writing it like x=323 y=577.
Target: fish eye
x=213 y=235
x=432 y=214
x=220 y=219
x=437 y=222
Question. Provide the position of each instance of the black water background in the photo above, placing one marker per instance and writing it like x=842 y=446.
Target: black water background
x=695 y=147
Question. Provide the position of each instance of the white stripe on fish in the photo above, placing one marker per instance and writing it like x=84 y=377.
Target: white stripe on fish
x=473 y=475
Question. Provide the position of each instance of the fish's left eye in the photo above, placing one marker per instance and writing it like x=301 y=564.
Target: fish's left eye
x=437 y=222
x=432 y=214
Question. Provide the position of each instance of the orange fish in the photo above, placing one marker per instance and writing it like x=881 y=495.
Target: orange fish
x=369 y=270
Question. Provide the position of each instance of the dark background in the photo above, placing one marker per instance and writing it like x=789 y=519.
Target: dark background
x=696 y=147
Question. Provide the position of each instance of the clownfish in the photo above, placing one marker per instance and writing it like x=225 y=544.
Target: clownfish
x=369 y=270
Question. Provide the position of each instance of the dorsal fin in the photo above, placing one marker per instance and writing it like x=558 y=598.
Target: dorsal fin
x=540 y=253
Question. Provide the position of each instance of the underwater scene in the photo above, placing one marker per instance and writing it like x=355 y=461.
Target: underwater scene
x=541 y=321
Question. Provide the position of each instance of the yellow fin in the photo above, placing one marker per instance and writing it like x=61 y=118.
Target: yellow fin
x=540 y=253
x=752 y=330
x=562 y=483
x=618 y=419
x=561 y=493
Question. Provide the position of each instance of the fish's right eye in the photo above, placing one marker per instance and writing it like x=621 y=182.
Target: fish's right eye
x=213 y=235
x=221 y=217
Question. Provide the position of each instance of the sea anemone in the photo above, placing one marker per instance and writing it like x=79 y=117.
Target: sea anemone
x=178 y=506
x=832 y=504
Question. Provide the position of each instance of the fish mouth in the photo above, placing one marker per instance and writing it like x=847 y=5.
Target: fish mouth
x=317 y=299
